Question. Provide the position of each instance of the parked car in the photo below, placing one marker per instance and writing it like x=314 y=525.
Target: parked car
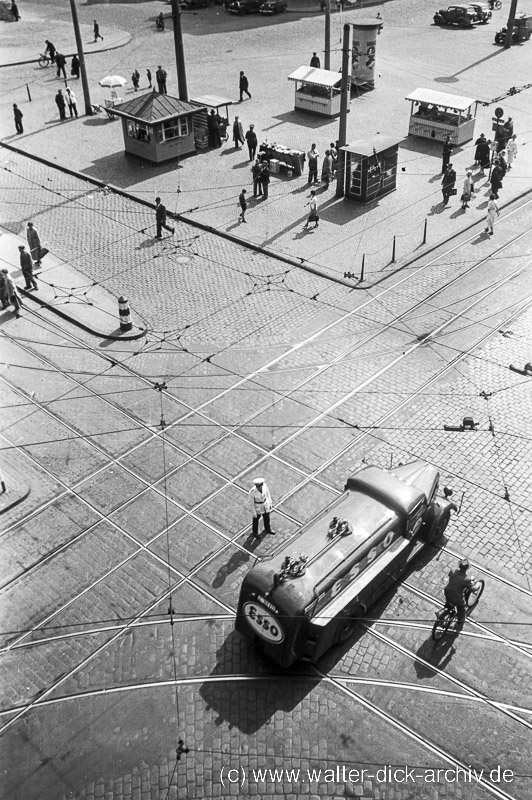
x=243 y=6
x=482 y=11
x=463 y=16
x=272 y=7
x=195 y=3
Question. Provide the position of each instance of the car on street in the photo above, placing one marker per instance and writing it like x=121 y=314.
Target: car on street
x=272 y=7
x=243 y=6
x=482 y=11
x=463 y=16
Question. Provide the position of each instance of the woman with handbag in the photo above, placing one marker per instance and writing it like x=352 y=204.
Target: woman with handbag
x=34 y=244
x=468 y=190
x=313 y=216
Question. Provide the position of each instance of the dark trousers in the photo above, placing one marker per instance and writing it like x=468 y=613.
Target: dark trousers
x=73 y=109
x=446 y=192
x=255 y=524
x=257 y=187
x=160 y=226
x=252 y=150
x=62 y=112
x=18 y=126
x=265 y=189
x=61 y=70
x=445 y=161
x=30 y=280
x=312 y=170
x=14 y=299
x=242 y=93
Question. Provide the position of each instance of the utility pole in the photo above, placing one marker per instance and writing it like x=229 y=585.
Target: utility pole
x=510 y=24
x=79 y=46
x=179 y=52
x=344 y=107
x=327 y=64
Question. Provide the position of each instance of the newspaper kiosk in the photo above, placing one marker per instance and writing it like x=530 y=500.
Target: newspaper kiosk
x=436 y=115
x=371 y=167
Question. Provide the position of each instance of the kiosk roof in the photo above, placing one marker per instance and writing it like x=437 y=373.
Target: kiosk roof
x=319 y=77
x=441 y=99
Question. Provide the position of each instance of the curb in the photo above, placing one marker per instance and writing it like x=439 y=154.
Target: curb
x=21 y=495
x=69 y=55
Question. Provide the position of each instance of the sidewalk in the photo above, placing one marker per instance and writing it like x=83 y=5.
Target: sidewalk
x=66 y=292
x=22 y=42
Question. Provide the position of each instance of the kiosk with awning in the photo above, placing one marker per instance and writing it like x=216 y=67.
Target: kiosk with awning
x=221 y=107
x=371 y=167
x=317 y=90
x=436 y=115
x=158 y=127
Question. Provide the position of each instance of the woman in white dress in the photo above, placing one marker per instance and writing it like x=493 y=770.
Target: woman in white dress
x=493 y=212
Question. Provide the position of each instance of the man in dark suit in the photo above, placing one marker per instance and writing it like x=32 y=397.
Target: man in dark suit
x=160 y=217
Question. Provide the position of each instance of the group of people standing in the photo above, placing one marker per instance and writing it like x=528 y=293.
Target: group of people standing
x=328 y=169
x=9 y=294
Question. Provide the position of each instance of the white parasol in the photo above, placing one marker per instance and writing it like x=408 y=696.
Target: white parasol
x=111 y=81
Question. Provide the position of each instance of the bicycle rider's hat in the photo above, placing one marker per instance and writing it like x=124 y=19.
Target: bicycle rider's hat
x=258 y=481
x=464 y=563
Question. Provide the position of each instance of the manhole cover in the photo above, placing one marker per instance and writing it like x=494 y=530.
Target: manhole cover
x=183 y=259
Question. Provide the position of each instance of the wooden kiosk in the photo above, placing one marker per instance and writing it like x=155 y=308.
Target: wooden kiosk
x=158 y=127
x=435 y=115
x=317 y=90
x=371 y=167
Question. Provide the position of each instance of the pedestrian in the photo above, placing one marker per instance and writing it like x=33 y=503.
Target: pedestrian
x=60 y=103
x=213 y=126
x=243 y=86
x=502 y=162
x=469 y=188
x=243 y=205
x=4 y=296
x=334 y=154
x=508 y=129
x=264 y=178
x=97 y=34
x=496 y=178
x=327 y=169
x=12 y=292
x=446 y=154
x=483 y=155
x=17 y=113
x=148 y=75
x=60 y=62
x=160 y=217
x=251 y=139
x=71 y=100
x=159 y=22
x=75 y=66
x=315 y=61
x=257 y=184
x=238 y=133
x=50 y=49
x=447 y=183
x=313 y=215
x=160 y=77
x=26 y=265
x=511 y=149
x=313 y=156
x=261 y=506
x=492 y=213
x=135 y=79
x=478 y=144
x=15 y=11
x=34 y=243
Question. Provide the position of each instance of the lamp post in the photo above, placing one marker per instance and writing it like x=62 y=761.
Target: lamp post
x=327 y=64
x=179 y=52
x=79 y=46
x=344 y=107
x=510 y=24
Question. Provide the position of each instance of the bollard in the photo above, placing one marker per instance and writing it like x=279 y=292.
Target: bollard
x=425 y=232
x=124 y=313
x=393 y=251
x=363 y=265
x=28 y=91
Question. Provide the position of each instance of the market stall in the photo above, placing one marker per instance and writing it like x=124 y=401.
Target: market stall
x=158 y=127
x=281 y=157
x=371 y=167
x=436 y=115
x=317 y=90
x=221 y=106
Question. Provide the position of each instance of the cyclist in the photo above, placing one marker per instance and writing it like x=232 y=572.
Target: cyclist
x=50 y=48
x=459 y=581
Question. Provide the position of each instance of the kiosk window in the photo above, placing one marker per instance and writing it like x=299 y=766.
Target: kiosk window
x=175 y=128
x=139 y=131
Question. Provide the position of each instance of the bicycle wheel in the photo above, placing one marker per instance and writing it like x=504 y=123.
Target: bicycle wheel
x=497 y=4
x=472 y=596
x=441 y=626
x=44 y=61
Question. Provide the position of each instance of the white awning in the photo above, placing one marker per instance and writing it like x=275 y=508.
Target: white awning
x=317 y=77
x=212 y=100
x=452 y=101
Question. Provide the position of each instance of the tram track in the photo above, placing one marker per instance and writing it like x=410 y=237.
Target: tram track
x=267 y=454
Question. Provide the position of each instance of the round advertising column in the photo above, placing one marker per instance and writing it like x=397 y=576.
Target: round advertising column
x=365 y=32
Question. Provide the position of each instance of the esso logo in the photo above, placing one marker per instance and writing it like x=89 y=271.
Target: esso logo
x=263 y=622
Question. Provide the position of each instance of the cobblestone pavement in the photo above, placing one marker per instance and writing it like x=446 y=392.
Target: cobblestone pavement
x=273 y=370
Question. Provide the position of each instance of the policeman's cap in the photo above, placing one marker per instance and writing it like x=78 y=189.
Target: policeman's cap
x=258 y=481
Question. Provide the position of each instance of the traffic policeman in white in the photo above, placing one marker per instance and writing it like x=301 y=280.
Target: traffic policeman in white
x=261 y=505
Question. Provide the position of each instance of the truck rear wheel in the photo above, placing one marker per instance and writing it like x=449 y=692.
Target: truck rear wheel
x=349 y=624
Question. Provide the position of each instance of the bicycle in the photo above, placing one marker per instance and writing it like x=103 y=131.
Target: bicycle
x=44 y=60
x=446 y=617
x=495 y=4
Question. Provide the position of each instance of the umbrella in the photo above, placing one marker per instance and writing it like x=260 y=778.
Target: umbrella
x=110 y=81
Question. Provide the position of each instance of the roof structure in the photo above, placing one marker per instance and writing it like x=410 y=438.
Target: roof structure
x=318 y=77
x=212 y=100
x=154 y=107
x=364 y=147
x=452 y=101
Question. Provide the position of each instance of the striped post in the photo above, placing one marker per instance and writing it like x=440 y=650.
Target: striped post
x=124 y=313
